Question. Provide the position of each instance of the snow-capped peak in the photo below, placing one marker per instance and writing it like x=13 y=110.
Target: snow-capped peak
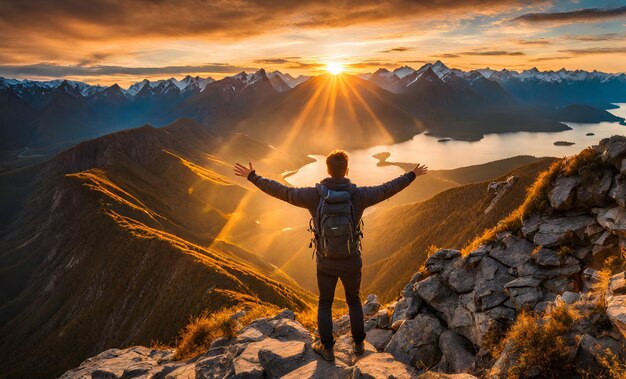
x=403 y=71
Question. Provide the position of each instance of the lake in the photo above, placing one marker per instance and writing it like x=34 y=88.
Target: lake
x=453 y=154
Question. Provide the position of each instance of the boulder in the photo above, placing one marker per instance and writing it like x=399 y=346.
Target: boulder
x=558 y=284
x=562 y=230
x=613 y=219
x=613 y=149
x=569 y=297
x=280 y=357
x=525 y=297
x=562 y=194
x=616 y=301
x=406 y=308
x=569 y=267
x=545 y=257
x=382 y=365
x=490 y=280
x=462 y=277
x=246 y=364
x=441 y=375
x=379 y=338
x=441 y=259
x=531 y=225
x=502 y=365
x=590 y=277
x=321 y=369
x=457 y=351
x=526 y=281
x=594 y=190
x=618 y=190
x=371 y=305
x=382 y=319
x=514 y=253
x=417 y=341
x=434 y=291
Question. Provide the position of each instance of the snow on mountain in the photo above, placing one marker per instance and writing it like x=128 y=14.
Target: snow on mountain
x=403 y=71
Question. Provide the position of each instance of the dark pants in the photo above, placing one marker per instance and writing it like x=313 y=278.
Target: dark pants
x=328 y=272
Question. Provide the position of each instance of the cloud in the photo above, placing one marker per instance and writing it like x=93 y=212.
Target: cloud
x=596 y=50
x=399 y=49
x=597 y=37
x=276 y=60
x=448 y=55
x=59 y=71
x=494 y=53
x=534 y=42
x=581 y=15
x=542 y=59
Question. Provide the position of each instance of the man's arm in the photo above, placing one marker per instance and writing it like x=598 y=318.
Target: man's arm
x=301 y=197
x=375 y=194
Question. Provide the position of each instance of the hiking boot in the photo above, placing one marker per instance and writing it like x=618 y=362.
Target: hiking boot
x=359 y=348
x=319 y=348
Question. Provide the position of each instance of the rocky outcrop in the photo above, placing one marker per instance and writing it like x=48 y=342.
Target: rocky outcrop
x=451 y=313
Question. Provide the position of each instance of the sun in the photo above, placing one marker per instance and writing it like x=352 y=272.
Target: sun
x=334 y=68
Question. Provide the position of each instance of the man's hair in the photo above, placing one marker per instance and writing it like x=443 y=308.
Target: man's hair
x=337 y=163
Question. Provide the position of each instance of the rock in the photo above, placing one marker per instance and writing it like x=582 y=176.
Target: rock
x=280 y=357
x=622 y=167
x=441 y=259
x=382 y=319
x=457 y=351
x=341 y=325
x=590 y=277
x=483 y=321
x=217 y=366
x=562 y=230
x=569 y=297
x=344 y=350
x=515 y=252
x=503 y=364
x=441 y=375
x=321 y=369
x=613 y=219
x=531 y=224
x=406 y=308
x=557 y=284
x=121 y=363
x=382 y=365
x=417 y=341
x=434 y=291
x=588 y=355
x=490 y=281
x=462 y=277
x=474 y=257
x=247 y=364
x=379 y=338
x=396 y=325
x=525 y=297
x=569 y=267
x=289 y=329
x=593 y=192
x=562 y=195
x=547 y=257
x=616 y=301
x=613 y=149
x=371 y=305
x=526 y=281
x=543 y=307
x=618 y=190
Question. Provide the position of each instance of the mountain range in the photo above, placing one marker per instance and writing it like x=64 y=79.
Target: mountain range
x=39 y=118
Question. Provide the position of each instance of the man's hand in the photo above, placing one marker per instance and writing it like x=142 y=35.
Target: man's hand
x=420 y=169
x=241 y=170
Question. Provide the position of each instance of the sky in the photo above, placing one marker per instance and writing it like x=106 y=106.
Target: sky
x=108 y=41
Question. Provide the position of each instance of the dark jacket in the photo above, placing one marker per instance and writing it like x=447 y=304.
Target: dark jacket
x=308 y=197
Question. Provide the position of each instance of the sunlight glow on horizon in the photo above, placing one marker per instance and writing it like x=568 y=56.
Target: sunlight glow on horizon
x=334 y=68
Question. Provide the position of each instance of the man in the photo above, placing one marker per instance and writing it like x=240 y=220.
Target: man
x=336 y=206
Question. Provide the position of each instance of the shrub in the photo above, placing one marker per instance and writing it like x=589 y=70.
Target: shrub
x=541 y=345
x=205 y=328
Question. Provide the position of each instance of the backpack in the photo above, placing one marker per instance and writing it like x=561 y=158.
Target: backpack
x=335 y=232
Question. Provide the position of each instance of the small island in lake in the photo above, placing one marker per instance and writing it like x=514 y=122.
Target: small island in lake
x=563 y=143
x=590 y=134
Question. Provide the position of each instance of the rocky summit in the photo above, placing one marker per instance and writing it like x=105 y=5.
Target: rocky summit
x=543 y=294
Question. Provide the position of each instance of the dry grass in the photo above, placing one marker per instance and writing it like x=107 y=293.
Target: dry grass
x=202 y=330
x=585 y=160
x=542 y=345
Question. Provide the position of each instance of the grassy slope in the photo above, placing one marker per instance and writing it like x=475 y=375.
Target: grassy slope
x=115 y=246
